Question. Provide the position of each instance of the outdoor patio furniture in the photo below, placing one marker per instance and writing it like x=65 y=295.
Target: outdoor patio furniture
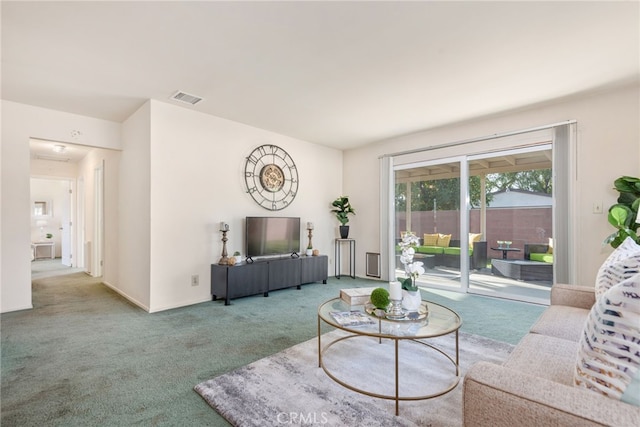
x=528 y=271
x=538 y=252
x=450 y=256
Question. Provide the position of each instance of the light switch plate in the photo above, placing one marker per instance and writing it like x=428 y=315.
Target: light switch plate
x=597 y=207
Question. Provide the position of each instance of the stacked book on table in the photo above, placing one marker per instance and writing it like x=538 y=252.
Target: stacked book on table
x=356 y=296
x=352 y=318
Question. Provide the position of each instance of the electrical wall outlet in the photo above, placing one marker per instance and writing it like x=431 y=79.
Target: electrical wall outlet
x=195 y=280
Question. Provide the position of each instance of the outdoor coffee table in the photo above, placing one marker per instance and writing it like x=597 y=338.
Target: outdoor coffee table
x=505 y=250
x=432 y=320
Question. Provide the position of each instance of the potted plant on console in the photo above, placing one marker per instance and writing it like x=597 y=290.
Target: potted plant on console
x=342 y=209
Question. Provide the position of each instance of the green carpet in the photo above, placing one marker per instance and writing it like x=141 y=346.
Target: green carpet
x=85 y=356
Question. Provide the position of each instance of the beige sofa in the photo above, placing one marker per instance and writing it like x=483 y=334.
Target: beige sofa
x=534 y=387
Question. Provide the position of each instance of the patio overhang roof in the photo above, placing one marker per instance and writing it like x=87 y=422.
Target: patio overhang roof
x=500 y=164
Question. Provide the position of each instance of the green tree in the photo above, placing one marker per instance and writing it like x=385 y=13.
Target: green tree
x=539 y=180
x=444 y=194
x=401 y=197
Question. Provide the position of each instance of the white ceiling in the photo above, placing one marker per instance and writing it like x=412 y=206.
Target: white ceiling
x=45 y=150
x=341 y=74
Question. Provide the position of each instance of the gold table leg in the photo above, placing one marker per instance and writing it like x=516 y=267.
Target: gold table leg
x=397 y=382
x=319 y=346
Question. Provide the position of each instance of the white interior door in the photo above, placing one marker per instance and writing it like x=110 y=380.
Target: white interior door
x=66 y=225
x=97 y=247
x=79 y=224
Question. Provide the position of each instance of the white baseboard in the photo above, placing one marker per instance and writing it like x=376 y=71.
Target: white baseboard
x=157 y=309
x=180 y=304
x=129 y=298
x=12 y=309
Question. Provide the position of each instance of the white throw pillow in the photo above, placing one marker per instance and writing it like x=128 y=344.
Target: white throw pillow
x=623 y=263
x=609 y=349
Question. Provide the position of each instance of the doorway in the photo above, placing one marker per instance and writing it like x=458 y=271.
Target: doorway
x=53 y=230
x=59 y=173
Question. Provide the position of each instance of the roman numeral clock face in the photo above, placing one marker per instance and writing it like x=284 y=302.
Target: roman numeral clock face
x=271 y=177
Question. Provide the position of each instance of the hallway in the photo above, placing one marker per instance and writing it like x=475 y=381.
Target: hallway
x=41 y=268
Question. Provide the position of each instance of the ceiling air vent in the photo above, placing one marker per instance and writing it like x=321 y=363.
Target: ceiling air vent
x=186 y=98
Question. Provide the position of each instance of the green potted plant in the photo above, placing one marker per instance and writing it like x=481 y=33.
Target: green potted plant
x=236 y=254
x=624 y=214
x=342 y=209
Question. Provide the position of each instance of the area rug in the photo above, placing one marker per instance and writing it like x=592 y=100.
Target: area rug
x=289 y=388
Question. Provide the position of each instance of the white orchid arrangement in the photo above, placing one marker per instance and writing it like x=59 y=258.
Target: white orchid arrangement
x=411 y=268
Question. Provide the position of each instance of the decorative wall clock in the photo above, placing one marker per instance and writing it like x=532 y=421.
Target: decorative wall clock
x=271 y=177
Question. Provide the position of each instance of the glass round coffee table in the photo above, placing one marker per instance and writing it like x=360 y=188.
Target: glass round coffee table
x=430 y=321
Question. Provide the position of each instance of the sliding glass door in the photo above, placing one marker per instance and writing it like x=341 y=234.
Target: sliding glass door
x=480 y=219
x=428 y=204
x=512 y=211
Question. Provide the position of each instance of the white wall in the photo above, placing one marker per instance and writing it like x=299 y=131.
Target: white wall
x=134 y=209
x=197 y=181
x=20 y=123
x=109 y=160
x=608 y=143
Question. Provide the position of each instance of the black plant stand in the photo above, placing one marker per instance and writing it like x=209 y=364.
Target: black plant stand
x=352 y=257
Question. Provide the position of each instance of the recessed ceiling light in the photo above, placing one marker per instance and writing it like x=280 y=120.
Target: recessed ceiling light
x=59 y=148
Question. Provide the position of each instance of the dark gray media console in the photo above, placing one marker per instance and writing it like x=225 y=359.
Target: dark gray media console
x=261 y=277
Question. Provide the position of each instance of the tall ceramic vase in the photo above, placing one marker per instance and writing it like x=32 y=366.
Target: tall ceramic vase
x=411 y=300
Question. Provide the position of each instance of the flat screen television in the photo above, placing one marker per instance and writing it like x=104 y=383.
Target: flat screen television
x=272 y=236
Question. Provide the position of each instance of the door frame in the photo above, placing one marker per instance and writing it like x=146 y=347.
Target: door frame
x=562 y=137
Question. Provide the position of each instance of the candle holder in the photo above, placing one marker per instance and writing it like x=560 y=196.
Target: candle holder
x=395 y=310
x=310 y=245
x=225 y=258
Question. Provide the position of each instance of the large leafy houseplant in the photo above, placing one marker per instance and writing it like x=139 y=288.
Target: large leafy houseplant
x=624 y=214
x=342 y=209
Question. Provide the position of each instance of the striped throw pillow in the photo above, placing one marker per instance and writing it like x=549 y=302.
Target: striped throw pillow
x=623 y=263
x=609 y=349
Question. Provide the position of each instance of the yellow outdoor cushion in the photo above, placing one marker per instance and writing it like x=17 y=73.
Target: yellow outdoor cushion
x=443 y=240
x=474 y=237
x=430 y=240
